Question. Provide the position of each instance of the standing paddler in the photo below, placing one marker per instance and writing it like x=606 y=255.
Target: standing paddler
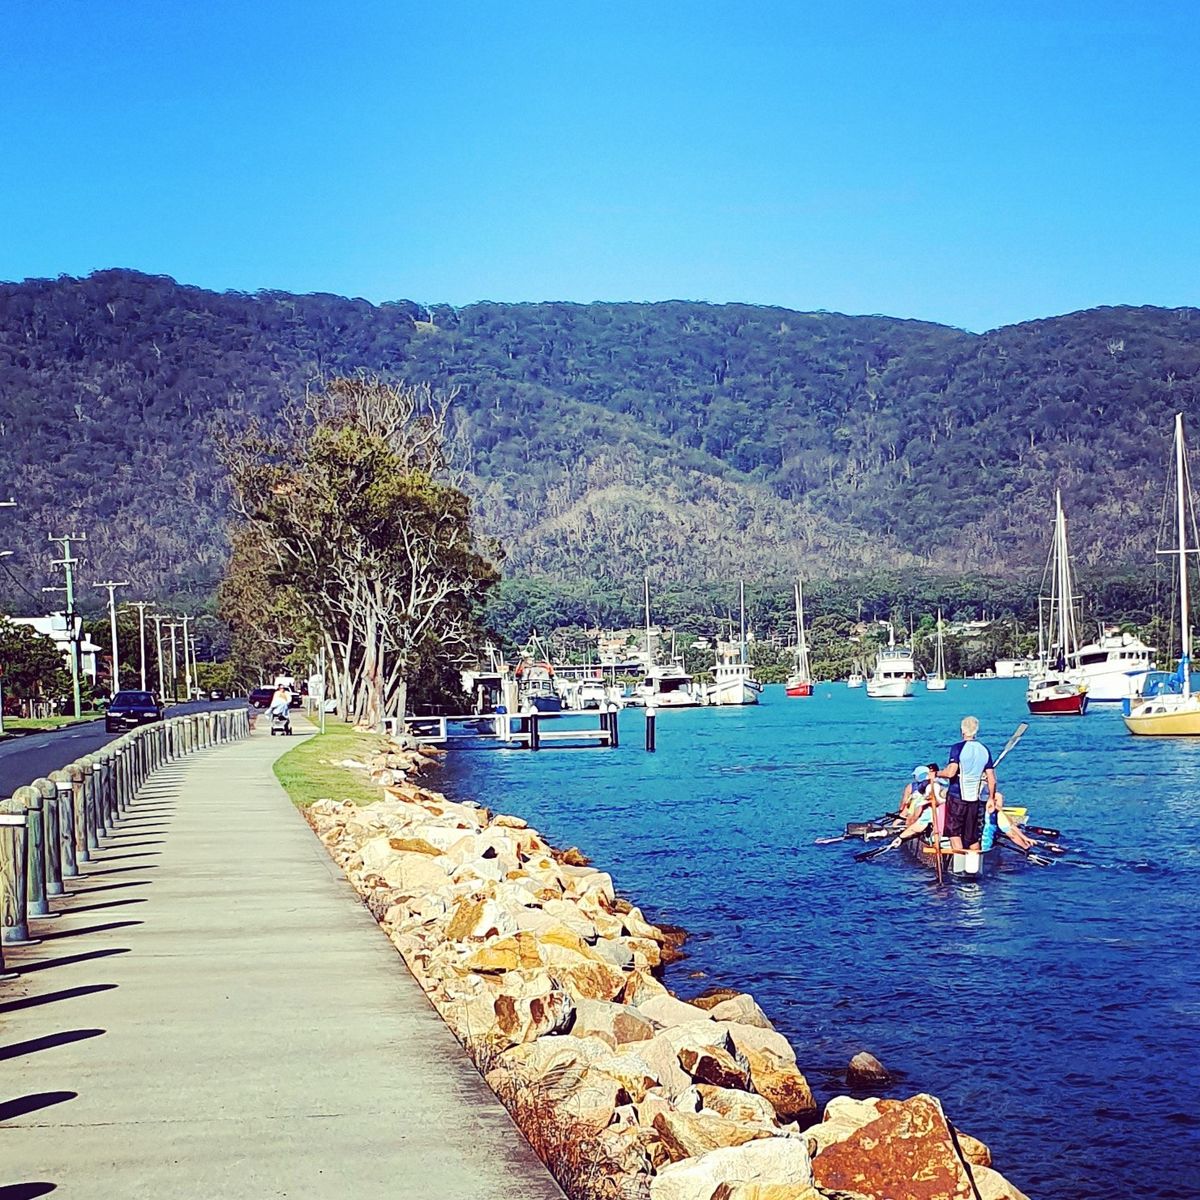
x=969 y=765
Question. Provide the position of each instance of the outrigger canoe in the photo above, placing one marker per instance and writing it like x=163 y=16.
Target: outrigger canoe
x=966 y=864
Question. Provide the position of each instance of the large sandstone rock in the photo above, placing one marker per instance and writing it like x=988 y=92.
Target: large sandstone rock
x=767 y=1191
x=843 y=1116
x=617 y=1024
x=748 y=1108
x=479 y=919
x=866 y=1071
x=972 y=1150
x=667 y=1010
x=991 y=1185
x=631 y=1071
x=414 y=874
x=752 y=1038
x=688 y=1135
x=523 y=1018
x=741 y=1009
x=768 y=1160
x=508 y=954
x=711 y=1064
x=782 y=1084
x=591 y=1100
x=905 y=1154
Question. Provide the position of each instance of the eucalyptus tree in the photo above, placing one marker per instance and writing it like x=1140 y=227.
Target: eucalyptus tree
x=358 y=510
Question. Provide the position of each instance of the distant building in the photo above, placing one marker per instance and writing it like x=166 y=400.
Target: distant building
x=56 y=628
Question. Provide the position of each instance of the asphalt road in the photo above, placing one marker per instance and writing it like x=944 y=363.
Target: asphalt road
x=24 y=759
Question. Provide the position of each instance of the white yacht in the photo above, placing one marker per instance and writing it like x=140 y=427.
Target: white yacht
x=895 y=670
x=855 y=679
x=667 y=686
x=1115 y=666
x=733 y=677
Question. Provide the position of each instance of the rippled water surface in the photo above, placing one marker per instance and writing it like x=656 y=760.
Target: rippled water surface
x=1055 y=1011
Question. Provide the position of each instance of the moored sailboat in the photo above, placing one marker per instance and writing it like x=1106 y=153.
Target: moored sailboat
x=937 y=681
x=800 y=681
x=1058 y=688
x=667 y=686
x=733 y=678
x=1168 y=707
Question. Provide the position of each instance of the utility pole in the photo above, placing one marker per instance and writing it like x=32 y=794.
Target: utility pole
x=158 y=619
x=112 y=586
x=4 y=554
x=172 y=626
x=187 y=670
x=68 y=563
x=141 y=606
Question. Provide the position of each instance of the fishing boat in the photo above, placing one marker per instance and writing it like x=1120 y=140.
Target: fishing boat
x=937 y=681
x=855 y=678
x=895 y=670
x=536 y=686
x=1167 y=706
x=665 y=686
x=733 y=677
x=1058 y=688
x=800 y=681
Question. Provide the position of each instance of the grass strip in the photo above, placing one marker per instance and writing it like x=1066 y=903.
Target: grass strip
x=38 y=724
x=314 y=771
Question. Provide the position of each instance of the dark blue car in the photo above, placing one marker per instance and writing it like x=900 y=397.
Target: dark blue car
x=129 y=709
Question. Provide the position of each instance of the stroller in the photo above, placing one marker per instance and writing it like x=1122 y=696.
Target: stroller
x=280 y=722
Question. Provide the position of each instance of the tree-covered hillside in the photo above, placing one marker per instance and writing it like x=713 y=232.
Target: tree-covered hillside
x=694 y=441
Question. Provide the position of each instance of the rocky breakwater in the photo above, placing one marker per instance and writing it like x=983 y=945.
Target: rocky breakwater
x=551 y=982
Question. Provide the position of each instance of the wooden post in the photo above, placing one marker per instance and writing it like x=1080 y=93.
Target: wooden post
x=52 y=845
x=81 y=782
x=65 y=801
x=534 y=734
x=14 y=869
x=651 y=715
x=35 y=880
x=614 y=734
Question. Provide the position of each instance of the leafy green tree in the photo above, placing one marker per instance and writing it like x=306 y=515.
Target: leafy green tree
x=32 y=664
x=361 y=520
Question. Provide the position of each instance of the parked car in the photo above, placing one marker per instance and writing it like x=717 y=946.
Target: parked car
x=126 y=710
x=260 y=696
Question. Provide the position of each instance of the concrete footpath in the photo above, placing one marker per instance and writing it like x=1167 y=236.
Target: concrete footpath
x=215 y=1015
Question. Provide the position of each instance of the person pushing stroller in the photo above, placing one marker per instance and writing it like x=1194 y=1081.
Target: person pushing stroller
x=279 y=711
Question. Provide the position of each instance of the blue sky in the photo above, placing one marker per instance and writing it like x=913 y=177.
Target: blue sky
x=971 y=163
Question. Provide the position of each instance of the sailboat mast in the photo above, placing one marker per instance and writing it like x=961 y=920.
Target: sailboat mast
x=646 y=586
x=742 y=601
x=1185 y=628
x=801 y=641
x=1064 y=585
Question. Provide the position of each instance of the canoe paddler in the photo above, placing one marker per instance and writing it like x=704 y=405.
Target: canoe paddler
x=968 y=768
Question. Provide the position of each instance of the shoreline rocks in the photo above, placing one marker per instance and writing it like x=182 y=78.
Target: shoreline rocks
x=552 y=984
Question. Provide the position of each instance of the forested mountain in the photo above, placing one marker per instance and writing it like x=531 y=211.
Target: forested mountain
x=696 y=441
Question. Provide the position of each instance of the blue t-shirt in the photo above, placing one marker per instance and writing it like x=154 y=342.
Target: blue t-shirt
x=973 y=759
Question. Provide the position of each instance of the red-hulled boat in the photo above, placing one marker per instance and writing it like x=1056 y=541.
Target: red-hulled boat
x=800 y=681
x=1063 y=697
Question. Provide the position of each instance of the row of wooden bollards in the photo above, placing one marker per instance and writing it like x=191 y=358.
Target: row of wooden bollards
x=48 y=828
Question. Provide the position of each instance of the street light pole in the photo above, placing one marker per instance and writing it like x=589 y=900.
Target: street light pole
x=141 y=606
x=172 y=626
x=67 y=563
x=158 y=619
x=112 y=586
x=187 y=670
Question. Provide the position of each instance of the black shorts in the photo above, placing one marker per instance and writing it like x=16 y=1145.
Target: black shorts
x=964 y=820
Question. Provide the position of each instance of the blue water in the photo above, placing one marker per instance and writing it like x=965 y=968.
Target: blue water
x=1054 y=1010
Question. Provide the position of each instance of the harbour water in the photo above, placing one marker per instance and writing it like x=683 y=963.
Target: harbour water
x=1054 y=1010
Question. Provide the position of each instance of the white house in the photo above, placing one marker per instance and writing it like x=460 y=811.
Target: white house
x=56 y=628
